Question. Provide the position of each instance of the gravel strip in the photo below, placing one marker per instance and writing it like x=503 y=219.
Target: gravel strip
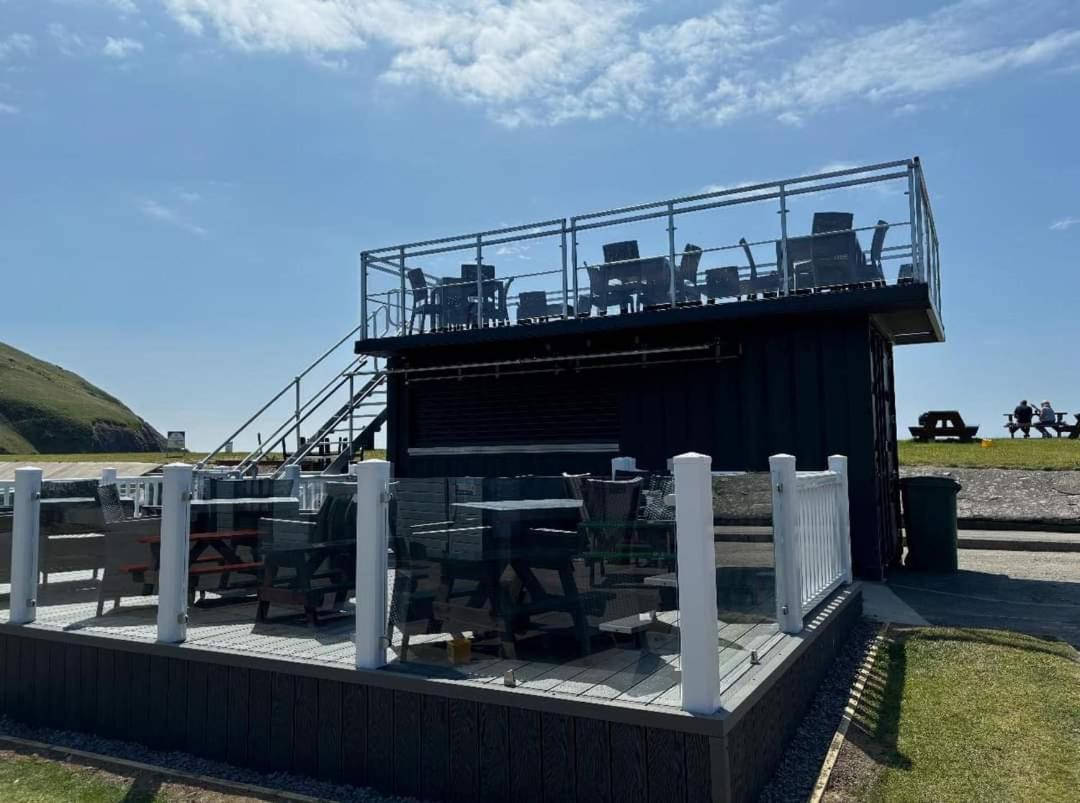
x=794 y=779
x=199 y=766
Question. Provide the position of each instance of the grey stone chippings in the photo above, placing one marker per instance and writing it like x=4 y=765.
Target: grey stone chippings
x=794 y=779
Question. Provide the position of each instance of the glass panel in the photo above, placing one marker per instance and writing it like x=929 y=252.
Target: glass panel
x=565 y=581
x=745 y=577
x=97 y=559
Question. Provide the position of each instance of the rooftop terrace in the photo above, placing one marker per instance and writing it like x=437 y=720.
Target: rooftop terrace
x=855 y=238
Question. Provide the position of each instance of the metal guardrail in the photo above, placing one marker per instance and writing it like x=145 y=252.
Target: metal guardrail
x=380 y=320
x=384 y=272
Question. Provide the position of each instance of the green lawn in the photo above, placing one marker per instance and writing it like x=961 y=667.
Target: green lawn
x=33 y=779
x=1034 y=453
x=958 y=715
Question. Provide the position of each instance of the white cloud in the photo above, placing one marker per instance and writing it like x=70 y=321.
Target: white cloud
x=17 y=44
x=1065 y=223
x=188 y=196
x=547 y=61
x=121 y=48
x=67 y=42
x=164 y=214
x=7 y=108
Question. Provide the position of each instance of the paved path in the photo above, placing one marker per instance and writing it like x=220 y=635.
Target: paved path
x=73 y=471
x=1019 y=539
x=1030 y=592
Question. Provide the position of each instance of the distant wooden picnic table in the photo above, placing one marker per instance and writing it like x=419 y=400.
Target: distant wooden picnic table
x=943 y=424
x=1059 y=426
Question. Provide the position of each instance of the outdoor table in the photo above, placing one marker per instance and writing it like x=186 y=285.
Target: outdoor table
x=635 y=275
x=306 y=562
x=223 y=542
x=513 y=538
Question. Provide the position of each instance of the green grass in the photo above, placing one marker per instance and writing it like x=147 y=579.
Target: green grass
x=33 y=779
x=1057 y=454
x=957 y=715
x=46 y=408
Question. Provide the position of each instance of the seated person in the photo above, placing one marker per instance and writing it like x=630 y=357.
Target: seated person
x=1046 y=416
x=1022 y=415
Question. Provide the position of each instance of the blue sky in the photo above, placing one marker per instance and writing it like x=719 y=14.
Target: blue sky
x=186 y=184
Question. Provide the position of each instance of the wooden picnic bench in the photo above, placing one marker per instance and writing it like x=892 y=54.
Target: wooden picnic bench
x=935 y=424
x=1072 y=431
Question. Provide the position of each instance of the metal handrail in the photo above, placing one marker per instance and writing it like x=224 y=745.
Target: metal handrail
x=368 y=390
x=302 y=410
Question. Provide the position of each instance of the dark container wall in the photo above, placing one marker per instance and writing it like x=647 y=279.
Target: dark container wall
x=806 y=388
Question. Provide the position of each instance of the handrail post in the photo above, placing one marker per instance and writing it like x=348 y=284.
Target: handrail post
x=574 y=265
x=671 y=250
x=839 y=464
x=696 y=555
x=913 y=221
x=479 y=281
x=363 y=292
x=785 y=267
x=565 y=288
x=292 y=474
x=25 y=545
x=785 y=543
x=174 y=547
x=352 y=408
x=299 y=445
x=401 y=307
x=372 y=543
x=108 y=476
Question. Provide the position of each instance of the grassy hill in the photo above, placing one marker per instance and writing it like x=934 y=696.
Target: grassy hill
x=46 y=409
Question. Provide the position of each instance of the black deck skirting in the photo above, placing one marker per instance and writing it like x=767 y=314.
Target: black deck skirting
x=407 y=735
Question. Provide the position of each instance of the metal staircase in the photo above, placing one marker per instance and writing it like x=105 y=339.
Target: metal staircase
x=350 y=407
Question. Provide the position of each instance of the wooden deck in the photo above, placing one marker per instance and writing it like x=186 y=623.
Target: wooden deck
x=618 y=671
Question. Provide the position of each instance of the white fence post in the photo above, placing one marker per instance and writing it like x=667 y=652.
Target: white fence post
x=26 y=529
x=699 y=632
x=838 y=463
x=173 y=565
x=785 y=544
x=108 y=476
x=372 y=543
x=622 y=464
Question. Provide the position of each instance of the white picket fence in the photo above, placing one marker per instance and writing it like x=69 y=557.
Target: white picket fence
x=811 y=536
x=312 y=490
x=145 y=490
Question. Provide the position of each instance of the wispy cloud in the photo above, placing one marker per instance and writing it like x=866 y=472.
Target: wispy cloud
x=16 y=44
x=158 y=211
x=121 y=48
x=530 y=62
x=67 y=42
x=8 y=109
x=1065 y=224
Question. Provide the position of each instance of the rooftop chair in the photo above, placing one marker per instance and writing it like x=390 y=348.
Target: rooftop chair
x=532 y=304
x=495 y=292
x=423 y=300
x=686 y=285
x=602 y=295
x=825 y=222
x=877 y=245
x=834 y=257
x=621 y=252
x=722 y=283
x=906 y=275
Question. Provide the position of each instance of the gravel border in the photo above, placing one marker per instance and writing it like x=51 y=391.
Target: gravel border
x=798 y=771
x=186 y=762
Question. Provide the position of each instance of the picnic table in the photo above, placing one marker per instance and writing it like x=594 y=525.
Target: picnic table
x=935 y=424
x=226 y=560
x=303 y=575
x=514 y=535
x=1059 y=426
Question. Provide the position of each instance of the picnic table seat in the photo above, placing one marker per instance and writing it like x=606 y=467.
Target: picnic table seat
x=309 y=559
